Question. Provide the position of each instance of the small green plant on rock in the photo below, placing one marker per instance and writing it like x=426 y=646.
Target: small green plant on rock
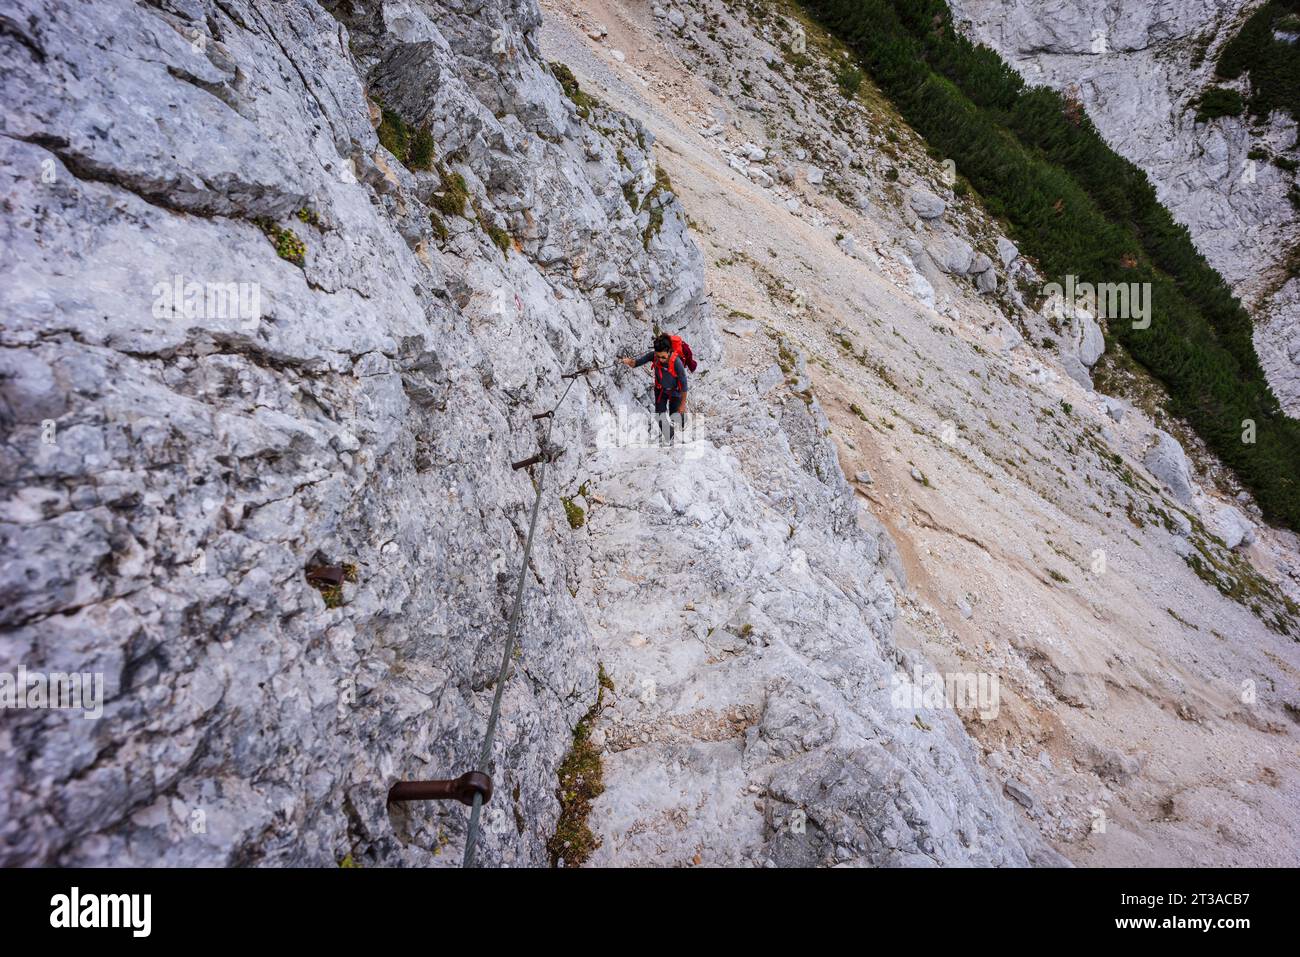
x=439 y=227
x=649 y=202
x=569 y=83
x=500 y=238
x=287 y=244
x=849 y=78
x=582 y=780
x=393 y=133
x=574 y=512
x=413 y=148
x=451 y=199
x=333 y=595
x=420 y=155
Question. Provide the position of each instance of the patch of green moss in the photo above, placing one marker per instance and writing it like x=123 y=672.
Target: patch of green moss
x=394 y=135
x=420 y=155
x=650 y=202
x=412 y=147
x=800 y=61
x=450 y=200
x=582 y=780
x=287 y=244
x=500 y=238
x=652 y=227
x=574 y=512
x=439 y=227
x=349 y=863
x=569 y=83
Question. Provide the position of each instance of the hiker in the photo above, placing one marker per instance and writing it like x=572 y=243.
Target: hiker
x=671 y=357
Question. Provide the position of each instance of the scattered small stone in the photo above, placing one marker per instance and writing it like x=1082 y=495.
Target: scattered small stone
x=1018 y=795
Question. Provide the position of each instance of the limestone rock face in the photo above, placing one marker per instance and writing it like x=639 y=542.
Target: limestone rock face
x=253 y=325
x=174 y=463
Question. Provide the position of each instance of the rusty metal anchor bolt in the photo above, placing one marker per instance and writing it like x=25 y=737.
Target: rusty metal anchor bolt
x=546 y=455
x=461 y=789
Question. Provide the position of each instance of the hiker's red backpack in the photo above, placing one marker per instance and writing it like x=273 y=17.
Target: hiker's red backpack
x=681 y=349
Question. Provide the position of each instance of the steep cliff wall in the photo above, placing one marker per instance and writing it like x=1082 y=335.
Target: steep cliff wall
x=367 y=417
x=432 y=226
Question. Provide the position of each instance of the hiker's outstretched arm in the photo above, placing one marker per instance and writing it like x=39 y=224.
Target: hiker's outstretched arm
x=639 y=361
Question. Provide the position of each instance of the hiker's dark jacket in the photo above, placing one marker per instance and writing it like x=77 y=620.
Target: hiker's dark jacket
x=671 y=382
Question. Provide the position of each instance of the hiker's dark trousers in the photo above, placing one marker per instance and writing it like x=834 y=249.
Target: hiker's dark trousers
x=668 y=411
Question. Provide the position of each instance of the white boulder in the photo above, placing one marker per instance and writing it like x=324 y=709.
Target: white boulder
x=1167 y=461
x=925 y=203
x=952 y=255
x=1232 y=526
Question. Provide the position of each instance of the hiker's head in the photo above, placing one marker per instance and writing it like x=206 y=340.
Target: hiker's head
x=663 y=347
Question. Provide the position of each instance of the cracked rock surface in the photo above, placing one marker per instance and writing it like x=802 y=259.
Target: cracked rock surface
x=173 y=463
